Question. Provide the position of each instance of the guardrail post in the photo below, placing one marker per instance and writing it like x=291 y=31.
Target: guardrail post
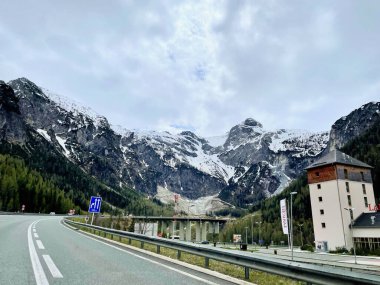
x=142 y=245
x=112 y=236
x=158 y=249
x=207 y=262
x=129 y=241
x=246 y=271
x=178 y=254
x=119 y=238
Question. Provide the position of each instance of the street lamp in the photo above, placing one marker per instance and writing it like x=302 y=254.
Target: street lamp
x=259 y=223
x=291 y=220
x=252 y=229
x=352 y=230
x=246 y=235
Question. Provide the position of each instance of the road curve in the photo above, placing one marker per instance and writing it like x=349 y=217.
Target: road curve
x=40 y=250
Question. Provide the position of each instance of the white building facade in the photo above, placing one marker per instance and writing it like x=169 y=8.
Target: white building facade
x=341 y=190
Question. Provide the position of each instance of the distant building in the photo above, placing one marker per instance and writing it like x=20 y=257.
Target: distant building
x=341 y=192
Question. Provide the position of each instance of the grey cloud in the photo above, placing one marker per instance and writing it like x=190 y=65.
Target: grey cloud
x=206 y=65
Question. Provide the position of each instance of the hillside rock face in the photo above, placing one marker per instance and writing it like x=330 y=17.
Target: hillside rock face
x=246 y=166
x=353 y=125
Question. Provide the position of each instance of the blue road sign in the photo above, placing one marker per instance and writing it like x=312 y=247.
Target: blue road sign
x=95 y=204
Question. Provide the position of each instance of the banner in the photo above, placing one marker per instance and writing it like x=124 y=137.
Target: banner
x=284 y=217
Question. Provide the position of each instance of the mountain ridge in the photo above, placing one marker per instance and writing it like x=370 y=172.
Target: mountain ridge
x=250 y=165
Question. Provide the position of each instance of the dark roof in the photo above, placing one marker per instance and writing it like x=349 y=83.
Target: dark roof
x=365 y=220
x=337 y=157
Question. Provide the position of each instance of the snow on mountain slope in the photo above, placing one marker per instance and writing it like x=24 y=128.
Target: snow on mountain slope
x=76 y=108
x=302 y=142
x=186 y=147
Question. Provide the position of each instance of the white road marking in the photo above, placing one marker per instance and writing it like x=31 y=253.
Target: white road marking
x=39 y=244
x=53 y=269
x=35 y=235
x=39 y=273
x=147 y=259
x=34 y=230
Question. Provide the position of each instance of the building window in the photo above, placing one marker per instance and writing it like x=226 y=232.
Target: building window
x=323 y=225
x=365 y=201
x=319 y=186
x=345 y=174
x=364 y=191
x=347 y=187
x=317 y=174
x=320 y=199
x=349 y=200
x=322 y=211
x=362 y=175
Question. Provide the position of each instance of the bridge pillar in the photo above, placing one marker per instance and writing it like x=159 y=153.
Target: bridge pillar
x=204 y=231
x=188 y=231
x=215 y=227
x=182 y=230
x=163 y=227
x=173 y=227
x=197 y=231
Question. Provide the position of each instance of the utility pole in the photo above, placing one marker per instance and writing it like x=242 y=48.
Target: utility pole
x=291 y=221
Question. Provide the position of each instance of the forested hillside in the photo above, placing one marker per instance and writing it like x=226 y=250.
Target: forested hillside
x=74 y=182
x=365 y=148
x=19 y=185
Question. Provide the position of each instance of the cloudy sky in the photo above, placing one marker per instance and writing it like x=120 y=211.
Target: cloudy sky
x=199 y=65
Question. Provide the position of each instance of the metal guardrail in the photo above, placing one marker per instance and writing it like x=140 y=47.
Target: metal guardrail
x=310 y=273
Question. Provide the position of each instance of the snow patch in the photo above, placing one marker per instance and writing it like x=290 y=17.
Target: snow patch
x=76 y=108
x=62 y=142
x=44 y=134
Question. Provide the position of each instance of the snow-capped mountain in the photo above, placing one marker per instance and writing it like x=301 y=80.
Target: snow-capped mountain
x=242 y=167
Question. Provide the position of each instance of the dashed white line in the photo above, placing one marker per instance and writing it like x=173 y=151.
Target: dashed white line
x=39 y=273
x=53 y=269
x=35 y=235
x=39 y=244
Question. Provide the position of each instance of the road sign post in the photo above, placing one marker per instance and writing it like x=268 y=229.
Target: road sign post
x=94 y=206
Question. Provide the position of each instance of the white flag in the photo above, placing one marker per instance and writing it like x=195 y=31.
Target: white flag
x=284 y=216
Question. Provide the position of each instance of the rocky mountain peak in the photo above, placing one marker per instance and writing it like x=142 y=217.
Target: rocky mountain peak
x=252 y=123
x=26 y=88
x=357 y=122
x=8 y=100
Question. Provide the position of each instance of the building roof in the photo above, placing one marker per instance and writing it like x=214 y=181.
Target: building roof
x=337 y=157
x=368 y=220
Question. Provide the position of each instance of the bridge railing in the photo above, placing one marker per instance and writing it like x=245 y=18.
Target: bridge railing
x=310 y=273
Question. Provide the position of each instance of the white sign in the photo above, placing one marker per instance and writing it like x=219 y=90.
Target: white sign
x=284 y=217
x=236 y=238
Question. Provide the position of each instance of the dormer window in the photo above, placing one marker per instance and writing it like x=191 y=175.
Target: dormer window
x=317 y=174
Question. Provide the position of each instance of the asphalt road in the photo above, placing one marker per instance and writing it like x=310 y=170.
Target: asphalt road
x=40 y=250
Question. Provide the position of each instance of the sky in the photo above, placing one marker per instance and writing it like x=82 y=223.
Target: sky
x=202 y=66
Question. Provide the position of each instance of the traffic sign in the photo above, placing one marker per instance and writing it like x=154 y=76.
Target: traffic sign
x=95 y=204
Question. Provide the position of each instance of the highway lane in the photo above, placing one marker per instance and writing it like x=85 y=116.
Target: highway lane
x=15 y=265
x=39 y=250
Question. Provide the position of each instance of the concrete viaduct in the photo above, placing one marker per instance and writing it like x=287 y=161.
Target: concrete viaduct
x=184 y=226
